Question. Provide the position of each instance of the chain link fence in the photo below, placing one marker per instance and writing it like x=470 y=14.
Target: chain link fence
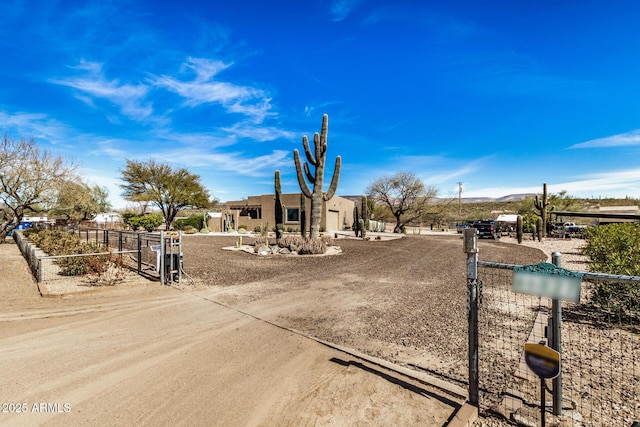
x=153 y=255
x=600 y=379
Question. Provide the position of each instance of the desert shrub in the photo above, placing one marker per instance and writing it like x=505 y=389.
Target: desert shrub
x=150 y=221
x=293 y=243
x=80 y=265
x=257 y=229
x=261 y=240
x=55 y=242
x=130 y=218
x=194 y=221
x=105 y=269
x=189 y=230
x=242 y=229
x=328 y=240
x=313 y=247
x=615 y=249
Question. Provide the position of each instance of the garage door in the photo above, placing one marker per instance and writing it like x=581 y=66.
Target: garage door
x=333 y=221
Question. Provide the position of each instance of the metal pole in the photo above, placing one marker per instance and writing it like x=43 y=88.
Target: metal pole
x=162 y=261
x=556 y=344
x=543 y=403
x=139 y=253
x=471 y=249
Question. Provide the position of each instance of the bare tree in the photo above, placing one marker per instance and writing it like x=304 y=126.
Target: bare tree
x=29 y=181
x=404 y=195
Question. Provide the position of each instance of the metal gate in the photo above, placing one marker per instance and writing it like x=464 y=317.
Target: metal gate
x=599 y=348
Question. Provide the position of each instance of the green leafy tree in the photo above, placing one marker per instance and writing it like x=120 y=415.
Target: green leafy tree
x=30 y=179
x=169 y=189
x=404 y=195
x=78 y=201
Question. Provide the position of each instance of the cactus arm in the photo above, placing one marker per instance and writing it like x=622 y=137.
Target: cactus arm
x=303 y=184
x=318 y=147
x=307 y=172
x=537 y=203
x=324 y=131
x=307 y=151
x=334 y=181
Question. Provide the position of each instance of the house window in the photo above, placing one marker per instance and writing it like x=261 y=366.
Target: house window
x=293 y=215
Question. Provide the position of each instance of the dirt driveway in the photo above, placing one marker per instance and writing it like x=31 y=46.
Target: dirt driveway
x=218 y=353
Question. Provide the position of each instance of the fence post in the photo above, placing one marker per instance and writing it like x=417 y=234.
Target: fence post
x=471 y=249
x=556 y=340
x=163 y=251
x=139 y=253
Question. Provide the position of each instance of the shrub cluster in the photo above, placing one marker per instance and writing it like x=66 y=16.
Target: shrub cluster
x=149 y=221
x=615 y=249
x=55 y=242
x=305 y=246
x=193 y=222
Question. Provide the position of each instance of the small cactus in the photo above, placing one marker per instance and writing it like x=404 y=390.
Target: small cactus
x=356 y=223
x=519 y=228
x=534 y=231
x=540 y=229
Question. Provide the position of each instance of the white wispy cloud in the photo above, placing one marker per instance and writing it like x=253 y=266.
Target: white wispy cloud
x=259 y=133
x=237 y=162
x=340 y=9
x=205 y=88
x=38 y=126
x=620 y=140
x=129 y=97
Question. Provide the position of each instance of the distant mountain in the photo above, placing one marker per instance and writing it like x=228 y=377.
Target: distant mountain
x=509 y=198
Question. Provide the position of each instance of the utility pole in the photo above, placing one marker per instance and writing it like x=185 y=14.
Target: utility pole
x=459 y=200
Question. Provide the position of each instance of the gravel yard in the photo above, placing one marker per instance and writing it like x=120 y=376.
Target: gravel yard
x=401 y=300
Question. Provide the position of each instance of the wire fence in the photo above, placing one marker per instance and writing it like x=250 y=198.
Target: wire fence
x=153 y=255
x=600 y=379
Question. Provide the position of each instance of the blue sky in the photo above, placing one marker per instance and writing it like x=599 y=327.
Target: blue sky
x=499 y=95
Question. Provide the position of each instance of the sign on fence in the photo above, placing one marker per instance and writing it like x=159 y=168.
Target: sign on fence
x=547 y=280
x=542 y=360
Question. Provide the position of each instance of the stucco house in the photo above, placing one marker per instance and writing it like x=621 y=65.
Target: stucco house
x=337 y=213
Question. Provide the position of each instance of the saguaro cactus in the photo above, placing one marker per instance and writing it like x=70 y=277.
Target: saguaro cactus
x=542 y=205
x=365 y=216
x=303 y=216
x=360 y=218
x=279 y=208
x=317 y=160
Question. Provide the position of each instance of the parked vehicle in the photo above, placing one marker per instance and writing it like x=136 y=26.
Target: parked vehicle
x=567 y=229
x=488 y=229
x=461 y=226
